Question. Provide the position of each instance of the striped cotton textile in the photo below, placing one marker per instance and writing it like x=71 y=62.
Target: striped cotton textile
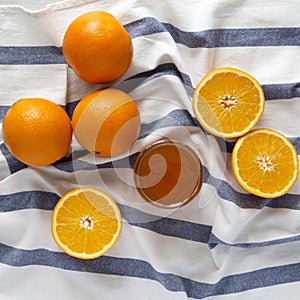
x=225 y=244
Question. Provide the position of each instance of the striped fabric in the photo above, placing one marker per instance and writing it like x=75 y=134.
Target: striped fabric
x=226 y=244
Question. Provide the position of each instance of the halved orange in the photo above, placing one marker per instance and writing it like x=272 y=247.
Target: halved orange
x=86 y=223
x=228 y=102
x=265 y=163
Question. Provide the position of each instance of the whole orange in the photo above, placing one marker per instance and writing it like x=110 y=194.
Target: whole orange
x=106 y=122
x=37 y=131
x=97 y=47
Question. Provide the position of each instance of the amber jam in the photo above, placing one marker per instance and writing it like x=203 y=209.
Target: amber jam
x=168 y=174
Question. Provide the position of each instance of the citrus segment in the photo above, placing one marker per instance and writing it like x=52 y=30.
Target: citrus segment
x=265 y=163
x=37 y=131
x=86 y=223
x=228 y=102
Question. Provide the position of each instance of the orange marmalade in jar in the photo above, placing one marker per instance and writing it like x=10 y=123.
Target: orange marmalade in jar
x=168 y=174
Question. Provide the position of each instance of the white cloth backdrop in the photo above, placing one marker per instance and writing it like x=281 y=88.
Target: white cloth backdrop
x=226 y=244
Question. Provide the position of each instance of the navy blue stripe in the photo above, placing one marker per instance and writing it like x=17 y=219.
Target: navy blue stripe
x=178 y=117
x=66 y=163
x=72 y=164
x=226 y=192
x=230 y=144
x=14 y=164
x=281 y=91
x=165 y=226
x=223 y=189
x=215 y=241
x=3 y=111
x=272 y=91
x=167 y=69
x=28 y=200
x=214 y=38
x=141 y=269
x=38 y=55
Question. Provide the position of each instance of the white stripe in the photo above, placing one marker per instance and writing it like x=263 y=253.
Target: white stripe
x=36 y=27
x=249 y=59
x=32 y=81
x=50 y=179
x=264 y=225
x=5 y=171
x=165 y=254
x=136 y=243
x=279 y=112
x=233 y=260
x=202 y=14
x=29 y=5
x=195 y=260
x=77 y=89
x=46 y=179
x=51 y=283
x=27 y=229
x=65 y=12
x=165 y=91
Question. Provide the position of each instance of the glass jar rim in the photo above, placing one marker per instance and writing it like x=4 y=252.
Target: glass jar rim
x=178 y=144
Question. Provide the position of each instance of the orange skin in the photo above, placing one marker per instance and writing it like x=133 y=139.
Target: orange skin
x=36 y=131
x=97 y=47
x=106 y=122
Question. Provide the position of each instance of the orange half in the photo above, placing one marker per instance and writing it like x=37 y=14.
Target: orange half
x=265 y=163
x=86 y=223
x=228 y=102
